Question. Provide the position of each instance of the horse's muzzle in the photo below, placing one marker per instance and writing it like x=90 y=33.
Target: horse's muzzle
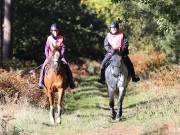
x=116 y=71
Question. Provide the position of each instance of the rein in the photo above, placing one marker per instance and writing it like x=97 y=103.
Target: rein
x=35 y=68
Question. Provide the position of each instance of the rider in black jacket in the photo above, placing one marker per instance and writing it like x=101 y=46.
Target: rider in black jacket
x=113 y=41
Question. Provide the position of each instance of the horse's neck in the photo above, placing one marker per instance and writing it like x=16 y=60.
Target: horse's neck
x=59 y=68
x=124 y=68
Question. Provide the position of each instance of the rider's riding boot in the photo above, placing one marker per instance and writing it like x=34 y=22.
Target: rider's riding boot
x=41 y=78
x=130 y=67
x=135 y=79
x=70 y=77
x=102 y=77
x=72 y=84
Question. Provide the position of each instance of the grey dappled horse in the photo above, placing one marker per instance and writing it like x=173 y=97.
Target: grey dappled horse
x=117 y=78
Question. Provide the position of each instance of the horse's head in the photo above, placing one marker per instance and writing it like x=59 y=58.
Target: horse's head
x=116 y=62
x=56 y=59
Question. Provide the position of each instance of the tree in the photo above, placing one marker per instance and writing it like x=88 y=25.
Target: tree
x=1 y=31
x=7 y=47
x=80 y=27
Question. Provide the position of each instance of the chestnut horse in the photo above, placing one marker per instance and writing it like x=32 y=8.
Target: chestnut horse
x=55 y=80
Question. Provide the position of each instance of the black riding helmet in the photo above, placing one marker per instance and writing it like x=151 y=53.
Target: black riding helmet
x=114 y=25
x=54 y=27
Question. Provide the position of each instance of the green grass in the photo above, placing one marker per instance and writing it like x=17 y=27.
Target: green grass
x=87 y=109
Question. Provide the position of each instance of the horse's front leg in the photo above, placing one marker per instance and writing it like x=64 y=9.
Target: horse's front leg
x=111 y=102
x=51 y=112
x=59 y=105
x=120 y=101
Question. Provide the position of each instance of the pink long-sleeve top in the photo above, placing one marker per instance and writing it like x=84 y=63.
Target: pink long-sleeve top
x=52 y=42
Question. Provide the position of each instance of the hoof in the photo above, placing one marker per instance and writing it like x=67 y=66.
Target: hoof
x=113 y=115
x=58 y=120
x=118 y=115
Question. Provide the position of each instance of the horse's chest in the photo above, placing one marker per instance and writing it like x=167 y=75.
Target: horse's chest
x=114 y=81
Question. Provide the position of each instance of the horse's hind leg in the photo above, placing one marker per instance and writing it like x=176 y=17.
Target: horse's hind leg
x=59 y=105
x=111 y=103
x=51 y=112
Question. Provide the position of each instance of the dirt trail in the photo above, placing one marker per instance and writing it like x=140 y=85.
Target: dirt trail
x=168 y=128
x=118 y=129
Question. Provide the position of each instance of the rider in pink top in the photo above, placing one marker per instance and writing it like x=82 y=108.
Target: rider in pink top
x=55 y=40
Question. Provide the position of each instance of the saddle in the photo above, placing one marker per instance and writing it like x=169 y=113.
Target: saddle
x=109 y=62
x=47 y=66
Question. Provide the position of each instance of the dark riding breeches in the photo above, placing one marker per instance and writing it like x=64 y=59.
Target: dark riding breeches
x=106 y=60
x=104 y=64
x=127 y=62
x=129 y=65
x=41 y=78
x=66 y=68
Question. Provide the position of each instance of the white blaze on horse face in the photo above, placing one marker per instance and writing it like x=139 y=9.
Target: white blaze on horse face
x=56 y=59
x=116 y=64
x=115 y=71
x=56 y=56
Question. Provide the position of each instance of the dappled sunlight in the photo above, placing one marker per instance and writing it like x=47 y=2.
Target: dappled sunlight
x=86 y=107
x=151 y=106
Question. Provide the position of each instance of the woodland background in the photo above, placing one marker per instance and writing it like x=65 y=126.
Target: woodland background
x=150 y=107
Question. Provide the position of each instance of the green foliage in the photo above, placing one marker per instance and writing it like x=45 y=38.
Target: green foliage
x=158 y=20
x=149 y=24
x=16 y=63
x=79 y=26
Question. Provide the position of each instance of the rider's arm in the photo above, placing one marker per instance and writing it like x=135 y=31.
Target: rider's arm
x=107 y=46
x=47 y=47
x=63 y=54
x=63 y=50
x=125 y=50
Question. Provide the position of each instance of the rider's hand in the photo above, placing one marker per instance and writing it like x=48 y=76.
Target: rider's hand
x=64 y=61
x=111 y=51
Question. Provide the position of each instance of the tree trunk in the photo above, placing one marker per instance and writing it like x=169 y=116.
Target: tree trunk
x=1 y=32
x=7 y=47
